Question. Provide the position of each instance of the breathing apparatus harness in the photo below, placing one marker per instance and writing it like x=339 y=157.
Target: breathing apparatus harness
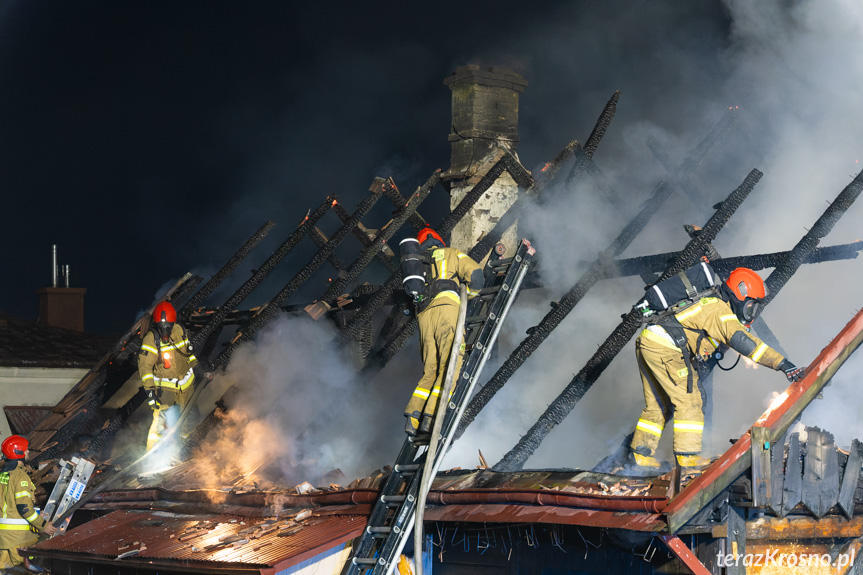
x=667 y=319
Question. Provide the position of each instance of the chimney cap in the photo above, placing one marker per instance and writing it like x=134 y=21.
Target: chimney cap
x=486 y=76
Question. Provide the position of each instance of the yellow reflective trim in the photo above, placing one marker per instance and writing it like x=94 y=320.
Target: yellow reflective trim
x=33 y=517
x=435 y=391
x=22 y=527
x=443 y=269
x=448 y=294
x=656 y=338
x=683 y=372
x=724 y=318
x=461 y=255
x=697 y=426
x=424 y=393
x=649 y=427
x=759 y=351
x=21 y=494
x=148 y=348
x=193 y=358
x=688 y=313
x=147 y=376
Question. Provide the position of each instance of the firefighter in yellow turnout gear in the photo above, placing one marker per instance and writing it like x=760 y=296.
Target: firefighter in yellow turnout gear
x=20 y=524
x=670 y=382
x=166 y=366
x=445 y=270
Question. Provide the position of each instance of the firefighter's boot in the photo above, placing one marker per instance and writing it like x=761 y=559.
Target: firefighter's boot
x=426 y=424
x=645 y=461
x=691 y=461
x=412 y=423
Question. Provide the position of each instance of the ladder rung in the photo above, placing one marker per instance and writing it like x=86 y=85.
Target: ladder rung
x=392 y=500
x=407 y=468
x=371 y=529
x=361 y=561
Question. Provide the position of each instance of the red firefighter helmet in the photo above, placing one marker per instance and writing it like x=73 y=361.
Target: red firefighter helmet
x=164 y=312
x=427 y=231
x=15 y=446
x=746 y=283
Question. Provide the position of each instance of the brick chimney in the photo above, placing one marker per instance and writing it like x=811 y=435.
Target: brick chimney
x=61 y=306
x=484 y=119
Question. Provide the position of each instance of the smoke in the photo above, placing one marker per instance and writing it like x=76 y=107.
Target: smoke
x=297 y=410
x=787 y=70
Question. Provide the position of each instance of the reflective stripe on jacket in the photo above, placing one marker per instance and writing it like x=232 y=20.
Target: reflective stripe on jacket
x=178 y=352
x=452 y=264
x=714 y=316
x=17 y=511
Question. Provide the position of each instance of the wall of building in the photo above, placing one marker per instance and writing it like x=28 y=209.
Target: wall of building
x=34 y=386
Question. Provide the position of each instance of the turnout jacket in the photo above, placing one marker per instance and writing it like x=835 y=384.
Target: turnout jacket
x=17 y=493
x=456 y=266
x=167 y=364
x=709 y=323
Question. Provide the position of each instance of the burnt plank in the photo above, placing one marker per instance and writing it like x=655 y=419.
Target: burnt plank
x=736 y=541
x=849 y=482
x=761 y=467
x=820 y=473
x=792 y=488
x=777 y=477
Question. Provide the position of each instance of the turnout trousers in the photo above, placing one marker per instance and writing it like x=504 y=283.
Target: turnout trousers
x=663 y=378
x=10 y=541
x=161 y=425
x=437 y=325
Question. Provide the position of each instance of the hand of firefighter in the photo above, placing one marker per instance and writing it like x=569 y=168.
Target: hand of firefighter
x=49 y=529
x=153 y=399
x=792 y=372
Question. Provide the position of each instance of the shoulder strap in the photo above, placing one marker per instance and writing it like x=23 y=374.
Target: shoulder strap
x=676 y=330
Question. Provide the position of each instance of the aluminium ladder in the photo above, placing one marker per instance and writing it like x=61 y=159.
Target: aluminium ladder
x=392 y=518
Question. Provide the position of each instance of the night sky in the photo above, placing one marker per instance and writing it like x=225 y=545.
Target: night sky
x=149 y=139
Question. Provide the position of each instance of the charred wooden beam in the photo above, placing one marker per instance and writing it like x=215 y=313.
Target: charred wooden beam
x=185 y=291
x=258 y=276
x=384 y=235
x=584 y=380
x=585 y=154
x=391 y=191
x=820 y=472
x=538 y=333
x=657 y=262
x=808 y=243
x=356 y=326
x=792 y=487
x=321 y=240
x=269 y=310
x=227 y=269
x=362 y=235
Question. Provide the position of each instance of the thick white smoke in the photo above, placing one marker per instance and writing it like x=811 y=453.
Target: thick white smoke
x=791 y=72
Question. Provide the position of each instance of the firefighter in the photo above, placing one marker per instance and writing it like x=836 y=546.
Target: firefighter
x=437 y=317
x=20 y=524
x=669 y=375
x=166 y=366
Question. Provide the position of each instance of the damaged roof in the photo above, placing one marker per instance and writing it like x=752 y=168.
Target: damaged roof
x=213 y=543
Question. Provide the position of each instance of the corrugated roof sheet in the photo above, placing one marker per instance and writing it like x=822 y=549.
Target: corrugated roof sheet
x=202 y=541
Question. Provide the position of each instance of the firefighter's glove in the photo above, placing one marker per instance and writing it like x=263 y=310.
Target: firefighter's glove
x=153 y=398
x=792 y=372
